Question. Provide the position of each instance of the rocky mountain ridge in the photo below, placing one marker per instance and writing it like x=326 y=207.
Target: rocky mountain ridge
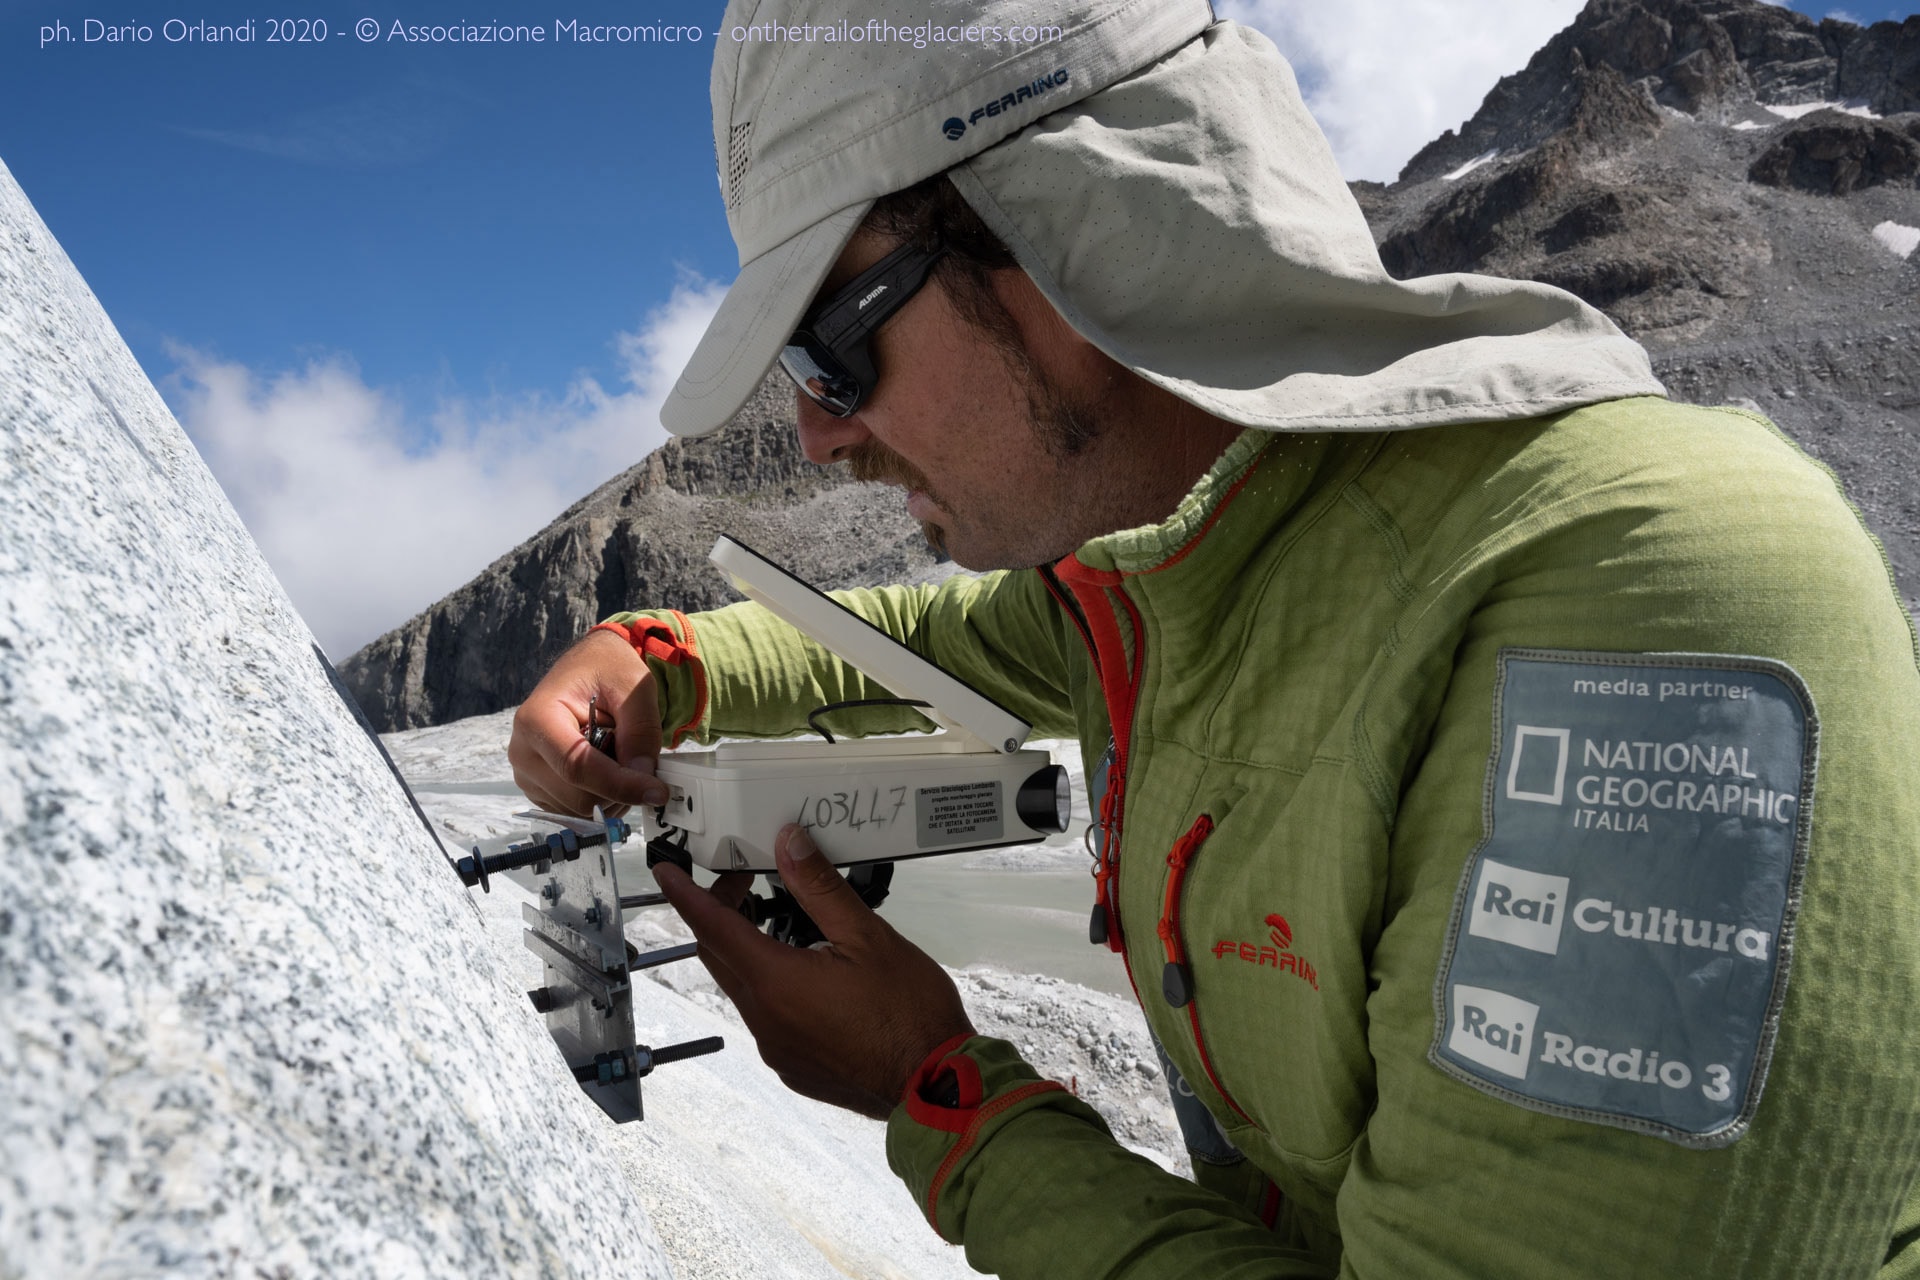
x=1727 y=179
x=1675 y=162
x=638 y=541
x=1713 y=60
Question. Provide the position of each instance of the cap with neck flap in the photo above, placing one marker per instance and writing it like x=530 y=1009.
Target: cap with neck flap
x=1158 y=176
x=819 y=110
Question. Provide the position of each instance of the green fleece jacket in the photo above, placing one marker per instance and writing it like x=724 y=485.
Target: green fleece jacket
x=1514 y=840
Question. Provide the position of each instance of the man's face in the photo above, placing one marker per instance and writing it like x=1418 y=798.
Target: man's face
x=982 y=439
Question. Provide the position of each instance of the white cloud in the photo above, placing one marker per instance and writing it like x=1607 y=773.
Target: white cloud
x=364 y=531
x=1386 y=77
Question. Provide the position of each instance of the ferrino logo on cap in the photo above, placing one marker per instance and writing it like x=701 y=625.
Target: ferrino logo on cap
x=955 y=127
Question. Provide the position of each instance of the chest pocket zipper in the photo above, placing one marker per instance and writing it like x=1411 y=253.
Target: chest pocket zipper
x=1176 y=979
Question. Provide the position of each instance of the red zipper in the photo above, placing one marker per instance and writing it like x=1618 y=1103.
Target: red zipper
x=1096 y=591
x=1176 y=981
x=1120 y=686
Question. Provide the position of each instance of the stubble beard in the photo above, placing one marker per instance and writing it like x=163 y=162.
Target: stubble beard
x=1066 y=424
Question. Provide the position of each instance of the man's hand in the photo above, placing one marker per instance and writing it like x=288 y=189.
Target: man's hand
x=847 y=1022
x=555 y=765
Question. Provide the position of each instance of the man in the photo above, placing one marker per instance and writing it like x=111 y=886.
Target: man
x=1481 y=741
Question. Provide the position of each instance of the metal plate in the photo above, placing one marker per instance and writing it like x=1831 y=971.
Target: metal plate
x=576 y=931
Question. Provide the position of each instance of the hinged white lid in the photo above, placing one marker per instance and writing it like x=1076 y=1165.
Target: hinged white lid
x=952 y=703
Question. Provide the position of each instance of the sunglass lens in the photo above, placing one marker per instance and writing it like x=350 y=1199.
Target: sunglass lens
x=816 y=371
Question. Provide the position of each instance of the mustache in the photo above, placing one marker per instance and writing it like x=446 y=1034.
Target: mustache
x=873 y=462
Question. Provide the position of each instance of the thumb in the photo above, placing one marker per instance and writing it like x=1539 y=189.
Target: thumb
x=636 y=729
x=820 y=890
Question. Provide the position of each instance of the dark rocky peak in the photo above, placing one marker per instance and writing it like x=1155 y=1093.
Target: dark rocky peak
x=758 y=452
x=1761 y=256
x=1833 y=153
x=1711 y=58
x=1474 y=220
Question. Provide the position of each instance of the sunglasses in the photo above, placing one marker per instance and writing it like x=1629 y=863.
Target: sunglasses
x=828 y=356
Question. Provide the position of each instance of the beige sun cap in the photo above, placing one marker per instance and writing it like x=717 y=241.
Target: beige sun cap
x=822 y=106
x=1192 y=223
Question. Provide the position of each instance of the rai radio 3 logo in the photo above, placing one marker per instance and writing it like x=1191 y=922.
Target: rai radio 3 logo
x=1280 y=956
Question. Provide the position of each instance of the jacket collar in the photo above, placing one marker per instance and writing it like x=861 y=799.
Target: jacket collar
x=1285 y=467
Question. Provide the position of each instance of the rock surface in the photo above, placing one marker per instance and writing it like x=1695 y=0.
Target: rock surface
x=1709 y=58
x=249 y=1023
x=1663 y=159
x=1832 y=154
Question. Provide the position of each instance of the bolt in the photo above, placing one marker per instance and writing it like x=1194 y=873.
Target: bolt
x=550 y=891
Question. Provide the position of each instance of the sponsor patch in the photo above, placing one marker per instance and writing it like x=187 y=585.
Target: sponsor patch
x=1620 y=943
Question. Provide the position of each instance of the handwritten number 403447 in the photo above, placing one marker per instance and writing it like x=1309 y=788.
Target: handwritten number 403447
x=878 y=806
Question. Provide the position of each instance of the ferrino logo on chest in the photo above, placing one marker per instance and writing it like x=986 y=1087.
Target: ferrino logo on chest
x=1279 y=956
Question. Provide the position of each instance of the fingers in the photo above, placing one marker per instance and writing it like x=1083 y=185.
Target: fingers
x=552 y=756
x=552 y=760
x=728 y=937
x=636 y=730
x=820 y=890
x=727 y=980
x=595 y=773
x=732 y=888
x=847 y=1025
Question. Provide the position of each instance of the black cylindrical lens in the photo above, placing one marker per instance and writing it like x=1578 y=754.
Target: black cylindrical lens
x=1045 y=800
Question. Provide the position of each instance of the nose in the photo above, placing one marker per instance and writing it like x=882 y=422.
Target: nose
x=825 y=439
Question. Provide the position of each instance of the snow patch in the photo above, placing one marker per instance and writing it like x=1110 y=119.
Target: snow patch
x=1751 y=124
x=1469 y=166
x=1852 y=107
x=1898 y=237
x=469 y=751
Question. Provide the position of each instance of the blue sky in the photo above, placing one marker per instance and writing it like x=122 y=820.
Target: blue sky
x=475 y=217
x=412 y=299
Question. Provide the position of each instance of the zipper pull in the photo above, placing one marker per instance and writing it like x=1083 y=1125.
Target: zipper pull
x=1097 y=926
x=1189 y=844
x=1176 y=984
x=1176 y=979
